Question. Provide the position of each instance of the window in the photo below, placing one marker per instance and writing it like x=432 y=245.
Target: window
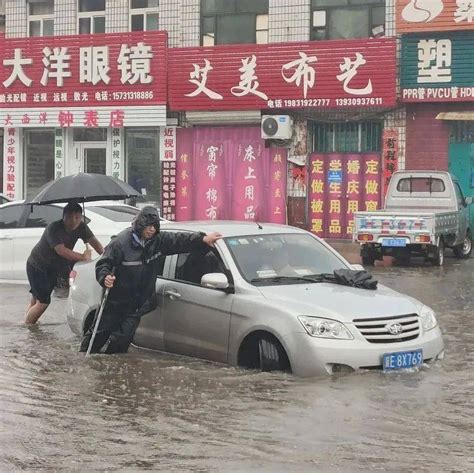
x=10 y=216
x=351 y=137
x=40 y=18
x=234 y=22
x=143 y=162
x=144 y=15
x=90 y=134
x=91 y=16
x=459 y=195
x=43 y=215
x=345 y=19
x=420 y=184
x=265 y=256
x=191 y=267
x=39 y=153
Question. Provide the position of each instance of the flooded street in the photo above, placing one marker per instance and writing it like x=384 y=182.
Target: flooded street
x=154 y=411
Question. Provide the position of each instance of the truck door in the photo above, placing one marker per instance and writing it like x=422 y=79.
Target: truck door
x=461 y=165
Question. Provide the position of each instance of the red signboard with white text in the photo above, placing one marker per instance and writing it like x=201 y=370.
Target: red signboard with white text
x=81 y=70
x=321 y=74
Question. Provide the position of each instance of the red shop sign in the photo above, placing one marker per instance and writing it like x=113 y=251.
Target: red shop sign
x=321 y=74
x=115 y=69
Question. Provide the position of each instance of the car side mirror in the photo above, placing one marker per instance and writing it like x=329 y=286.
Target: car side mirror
x=468 y=200
x=215 y=281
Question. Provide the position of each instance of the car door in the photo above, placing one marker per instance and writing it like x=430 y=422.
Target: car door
x=10 y=217
x=150 y=332
x=196 y=319
x=34 y=221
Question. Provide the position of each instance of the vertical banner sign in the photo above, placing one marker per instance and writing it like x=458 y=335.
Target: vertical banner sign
x=210 y=181
x=277 y=211
x=10 y=168
x=168 y=190
x=342 y=184
x=184 y=176
x=247 y=195
x=316 y=194
x=168 y=143
x=354 y=169
x=58 y=153
x=389 y=156
x=335 y=188
x=117 y=153
x=372 y=179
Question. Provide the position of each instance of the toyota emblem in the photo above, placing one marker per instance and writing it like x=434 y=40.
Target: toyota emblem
x=394 y=329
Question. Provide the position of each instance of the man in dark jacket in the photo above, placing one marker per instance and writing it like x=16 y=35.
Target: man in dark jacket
x=129 y=267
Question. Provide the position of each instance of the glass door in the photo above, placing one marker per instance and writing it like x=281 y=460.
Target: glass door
x=94 y=159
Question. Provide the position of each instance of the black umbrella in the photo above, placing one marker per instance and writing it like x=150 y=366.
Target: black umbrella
x=83 y=187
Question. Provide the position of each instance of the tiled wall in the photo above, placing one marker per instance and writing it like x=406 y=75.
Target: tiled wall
x=15 y=19
x=289 y=20
x=116 y=16
x=65 y=17
x=190 y=27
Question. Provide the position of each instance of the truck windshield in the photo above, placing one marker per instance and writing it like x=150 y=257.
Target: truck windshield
x=264 y=257
x=420 y=184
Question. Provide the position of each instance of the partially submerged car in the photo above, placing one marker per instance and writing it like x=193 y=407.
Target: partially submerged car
x=259 y=300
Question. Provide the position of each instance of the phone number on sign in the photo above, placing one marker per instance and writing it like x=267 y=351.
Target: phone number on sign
x=133 y=95
x=359 y=101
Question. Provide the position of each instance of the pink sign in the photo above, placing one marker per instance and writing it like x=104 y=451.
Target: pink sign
x=341 y=184
x=227 y=173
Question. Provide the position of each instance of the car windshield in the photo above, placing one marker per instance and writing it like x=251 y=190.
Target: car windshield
x=282 y=258
x=116 y=213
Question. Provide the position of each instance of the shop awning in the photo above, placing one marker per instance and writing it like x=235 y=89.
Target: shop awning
x=466 y=115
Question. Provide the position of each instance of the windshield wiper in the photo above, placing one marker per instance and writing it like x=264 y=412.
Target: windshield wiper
x=313 y=278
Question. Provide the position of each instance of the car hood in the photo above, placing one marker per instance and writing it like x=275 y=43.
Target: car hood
x=339 y=302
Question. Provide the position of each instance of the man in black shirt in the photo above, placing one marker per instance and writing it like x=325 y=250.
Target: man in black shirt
x=52 y=253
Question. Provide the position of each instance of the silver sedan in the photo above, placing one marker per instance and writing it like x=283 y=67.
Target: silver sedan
x=260 y=300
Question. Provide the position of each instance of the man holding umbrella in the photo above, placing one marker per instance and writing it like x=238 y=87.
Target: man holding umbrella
x=52 y=253
x=128 y=268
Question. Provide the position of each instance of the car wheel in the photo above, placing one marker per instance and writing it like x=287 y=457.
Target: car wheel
x=438 y=258
x=272 y=356
x=464 y=250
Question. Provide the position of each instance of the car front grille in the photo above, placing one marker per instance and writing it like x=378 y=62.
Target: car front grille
x=378 y=330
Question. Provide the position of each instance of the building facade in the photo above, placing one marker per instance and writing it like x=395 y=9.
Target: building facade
x=437 y=87
x=197 y=151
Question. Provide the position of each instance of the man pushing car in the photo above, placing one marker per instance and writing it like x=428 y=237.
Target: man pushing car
x=129 y=267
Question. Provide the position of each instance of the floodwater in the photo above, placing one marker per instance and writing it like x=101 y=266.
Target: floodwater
x=152 y=411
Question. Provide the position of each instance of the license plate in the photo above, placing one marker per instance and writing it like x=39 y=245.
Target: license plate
x=402 y=359
x=394 y=242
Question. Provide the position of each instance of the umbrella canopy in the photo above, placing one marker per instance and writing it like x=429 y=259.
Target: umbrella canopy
x=83 y=187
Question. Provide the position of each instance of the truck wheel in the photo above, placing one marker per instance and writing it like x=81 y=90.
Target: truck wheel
x=368 y=260
x=464 y=250
x=438 y=258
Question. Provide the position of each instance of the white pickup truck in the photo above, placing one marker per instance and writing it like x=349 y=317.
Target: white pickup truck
x=425 y=212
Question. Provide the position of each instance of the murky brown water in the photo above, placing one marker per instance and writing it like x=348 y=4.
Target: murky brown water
x=142 y=410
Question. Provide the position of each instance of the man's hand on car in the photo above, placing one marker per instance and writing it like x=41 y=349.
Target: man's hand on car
x=87 y=255
x=211 y=238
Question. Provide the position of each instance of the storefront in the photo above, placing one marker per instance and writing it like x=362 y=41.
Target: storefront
x=437 y=85
x=83 y=103
x=293 y=81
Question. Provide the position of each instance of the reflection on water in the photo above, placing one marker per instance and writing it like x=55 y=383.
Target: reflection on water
x=162 y=412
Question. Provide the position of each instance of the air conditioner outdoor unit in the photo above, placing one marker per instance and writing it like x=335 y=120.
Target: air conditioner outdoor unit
x=276 y=127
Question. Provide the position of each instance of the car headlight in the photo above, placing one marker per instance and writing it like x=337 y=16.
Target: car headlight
x=325 y=328
x=428 y=318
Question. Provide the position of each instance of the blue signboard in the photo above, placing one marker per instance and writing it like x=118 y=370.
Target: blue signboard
x=334 y=176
